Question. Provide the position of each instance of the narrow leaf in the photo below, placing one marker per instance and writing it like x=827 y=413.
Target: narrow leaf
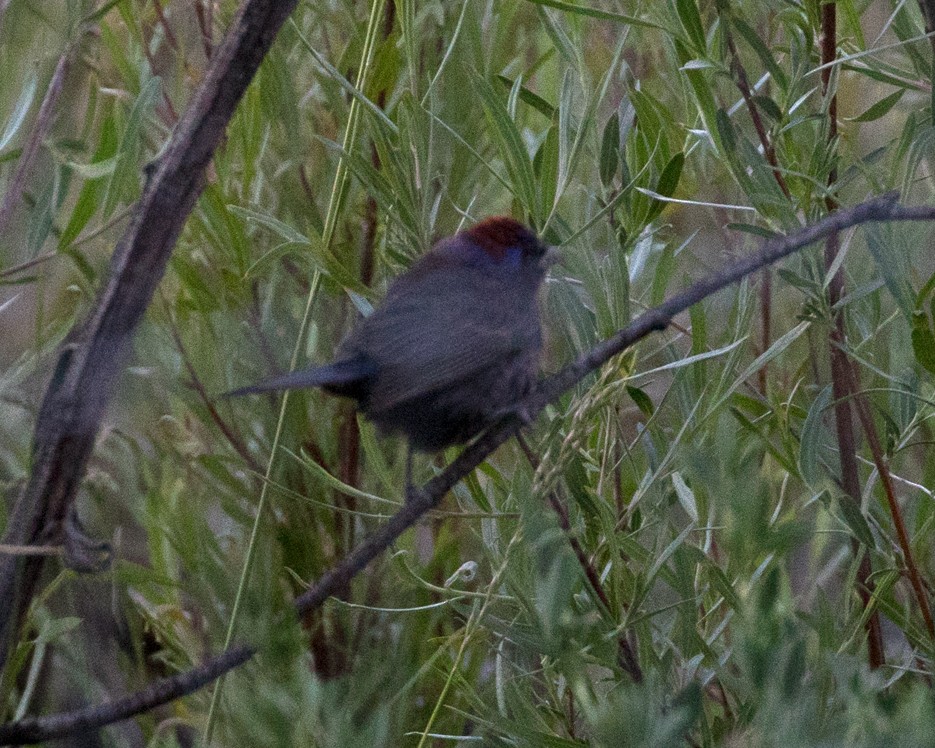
x=811 y=439
x=20 y=109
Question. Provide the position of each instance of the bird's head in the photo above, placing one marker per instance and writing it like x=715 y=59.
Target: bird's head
x=503 y=242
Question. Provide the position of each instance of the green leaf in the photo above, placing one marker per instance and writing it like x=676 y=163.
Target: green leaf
x=749 y=228
x=691 y=22
x=665 y=268
x=583 y=10
x=322 y=474
x=284 y=230
x=510 y=145
x=566 y=136
x=778 y=346
x=762 y=51
x=680 y=363
x=93 y=190
x=699 y=65
x=812 y=438
x=722 y=584
x=882 y=77
x=707 y=107
x=124 y=180
x=20 y=110
x=668 y=182
x=663 y=558
x=923 y=341
x=276 y=253
x=84 y=267
x=99 y=13
x=769 y=107
x=610 y=150
x=880 y=109
x=530 y=98
x=685 y=495
x=725 y=131
x=643 y=401
x=546 y=168
x=94 y=170
x=892 y=264
x=54 y=629
x=855 y=520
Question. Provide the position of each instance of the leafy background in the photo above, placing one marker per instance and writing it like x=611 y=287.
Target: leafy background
x=700 y=469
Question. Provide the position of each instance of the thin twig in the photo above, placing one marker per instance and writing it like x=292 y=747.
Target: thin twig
x=626 y=654
x=204 y=25
x=163 y=21
x=841 y=381
x=886 y=479
x=39 y=132
x=232 y=437
x=81 y=721
x=769 y=152
x=173 y=116
x=743 y=85
x=928 y=13
x=38 y=260
x=32 y=550
x=98 y=230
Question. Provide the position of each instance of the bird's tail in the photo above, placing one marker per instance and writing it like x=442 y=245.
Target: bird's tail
x=342 y=378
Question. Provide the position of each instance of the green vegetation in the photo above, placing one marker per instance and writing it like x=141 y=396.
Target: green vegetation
x=701 y=470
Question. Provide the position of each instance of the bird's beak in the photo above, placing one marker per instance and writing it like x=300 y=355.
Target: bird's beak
x=552 y=256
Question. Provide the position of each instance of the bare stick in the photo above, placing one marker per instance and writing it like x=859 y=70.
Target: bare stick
x=769 y=152
x=37 y=729
x=841 y=381
x=886 y=479
x=91 y=358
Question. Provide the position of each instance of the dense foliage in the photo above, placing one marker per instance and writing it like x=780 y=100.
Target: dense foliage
x=701 y=470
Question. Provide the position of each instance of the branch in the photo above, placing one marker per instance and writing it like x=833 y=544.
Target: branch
x=37 y=729
x=92 y=356
x=886 y=479
x=841 y=381
x=769 y=153
x=884 y=208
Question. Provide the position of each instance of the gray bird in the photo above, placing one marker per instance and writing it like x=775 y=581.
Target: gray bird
x=454 y=346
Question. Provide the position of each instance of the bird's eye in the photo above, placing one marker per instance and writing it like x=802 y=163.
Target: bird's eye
x=514 y=256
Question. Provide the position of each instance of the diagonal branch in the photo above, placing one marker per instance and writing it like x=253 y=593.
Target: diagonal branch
x=886 y=479
x=884 y=208
x=37 y=729
x=91 y=358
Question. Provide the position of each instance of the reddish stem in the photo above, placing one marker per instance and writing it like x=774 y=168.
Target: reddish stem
x=769 y=152
x=876 y=450
x=840 y=367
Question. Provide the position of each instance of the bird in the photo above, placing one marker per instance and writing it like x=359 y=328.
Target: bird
x=454 y=346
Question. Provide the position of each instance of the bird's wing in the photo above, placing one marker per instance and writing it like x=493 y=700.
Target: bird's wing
x=439 y=328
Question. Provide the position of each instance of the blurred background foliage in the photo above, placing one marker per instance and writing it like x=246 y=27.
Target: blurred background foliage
x=700 y=469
